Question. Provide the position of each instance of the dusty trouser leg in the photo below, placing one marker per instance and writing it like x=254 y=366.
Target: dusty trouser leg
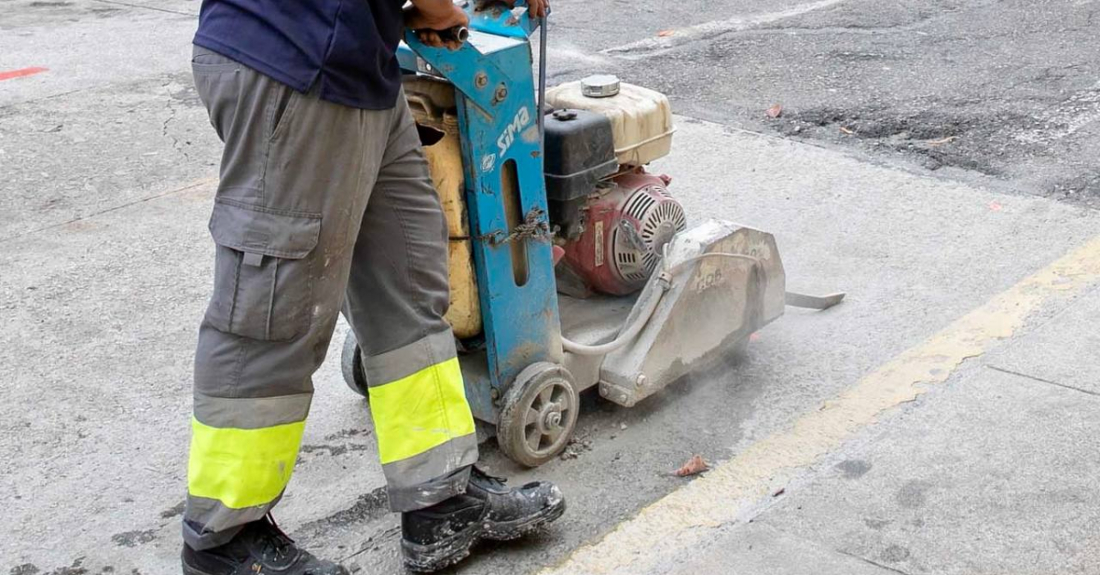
x=397 y=296
x=295 y=179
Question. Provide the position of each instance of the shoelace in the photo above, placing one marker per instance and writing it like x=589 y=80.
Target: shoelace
x=478 y=473
x=275 y=540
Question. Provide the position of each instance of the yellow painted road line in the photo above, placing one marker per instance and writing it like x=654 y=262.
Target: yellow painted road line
x=683 y=518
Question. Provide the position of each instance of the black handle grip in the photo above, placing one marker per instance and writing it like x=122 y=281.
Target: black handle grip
x=460 y=33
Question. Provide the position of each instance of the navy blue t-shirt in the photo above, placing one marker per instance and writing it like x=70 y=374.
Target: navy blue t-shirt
x=347 y=46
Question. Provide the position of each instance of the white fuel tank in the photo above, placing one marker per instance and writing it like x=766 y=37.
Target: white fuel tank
x=641 y=119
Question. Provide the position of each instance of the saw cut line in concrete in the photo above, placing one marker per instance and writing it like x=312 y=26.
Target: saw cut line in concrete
x=681 y=519
x=154 y=8
x=653 y=46
x=187 y=187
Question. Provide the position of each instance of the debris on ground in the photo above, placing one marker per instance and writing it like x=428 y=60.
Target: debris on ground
x=665 y=33
x=694 y=466
x=575 y=448
x=775 y=111
x=848 y=131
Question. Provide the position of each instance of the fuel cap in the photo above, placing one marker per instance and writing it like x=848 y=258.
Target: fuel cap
x=600 y=86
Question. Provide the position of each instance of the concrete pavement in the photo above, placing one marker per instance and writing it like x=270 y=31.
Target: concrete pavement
x=993 y=474
x=105 y=308
x=105 y=267
x=1013 y=465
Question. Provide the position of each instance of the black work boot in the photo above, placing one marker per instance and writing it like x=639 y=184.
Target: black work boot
x=442 y=535
x=261 y=548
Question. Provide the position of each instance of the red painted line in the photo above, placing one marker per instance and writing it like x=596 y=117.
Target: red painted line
x=20 y=73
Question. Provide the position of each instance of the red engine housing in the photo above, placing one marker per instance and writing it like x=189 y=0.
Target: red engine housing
x=626 y=226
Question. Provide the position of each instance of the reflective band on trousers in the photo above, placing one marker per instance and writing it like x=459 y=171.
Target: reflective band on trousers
x=421 y=411
x=242 y=467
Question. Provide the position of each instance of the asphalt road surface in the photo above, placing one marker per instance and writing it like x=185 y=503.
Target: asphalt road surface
x=929 y=156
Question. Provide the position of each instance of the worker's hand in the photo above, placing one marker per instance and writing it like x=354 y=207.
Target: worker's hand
x=429 y=18
x=538 y=8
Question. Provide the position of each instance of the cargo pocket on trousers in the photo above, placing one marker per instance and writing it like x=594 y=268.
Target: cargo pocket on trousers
x=263 y=281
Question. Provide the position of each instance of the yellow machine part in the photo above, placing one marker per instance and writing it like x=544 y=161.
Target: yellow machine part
x=432 y=106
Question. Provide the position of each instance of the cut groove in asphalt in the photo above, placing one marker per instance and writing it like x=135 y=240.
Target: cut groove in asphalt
x=871 y=563
x=680 y=520
x=1041 y=380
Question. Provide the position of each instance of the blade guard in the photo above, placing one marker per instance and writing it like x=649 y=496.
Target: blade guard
x=713 y=304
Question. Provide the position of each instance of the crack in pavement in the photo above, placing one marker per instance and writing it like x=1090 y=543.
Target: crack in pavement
x=170 y=105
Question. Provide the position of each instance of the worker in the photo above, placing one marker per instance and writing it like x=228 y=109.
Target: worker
x=325 y=204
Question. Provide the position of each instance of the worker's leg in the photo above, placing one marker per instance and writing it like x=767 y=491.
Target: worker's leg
x=397 y=297
x=296 y=177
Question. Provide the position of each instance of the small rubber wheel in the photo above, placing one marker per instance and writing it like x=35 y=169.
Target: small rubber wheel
x=538 y=415
x=351 y=364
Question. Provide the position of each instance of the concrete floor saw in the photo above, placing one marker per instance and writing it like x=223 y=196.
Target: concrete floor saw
x=571 y=265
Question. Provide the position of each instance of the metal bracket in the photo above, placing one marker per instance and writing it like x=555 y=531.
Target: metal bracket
x=501 y=20
x=481 y=80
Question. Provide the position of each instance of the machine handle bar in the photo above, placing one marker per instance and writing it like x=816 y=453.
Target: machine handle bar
x=460 y=33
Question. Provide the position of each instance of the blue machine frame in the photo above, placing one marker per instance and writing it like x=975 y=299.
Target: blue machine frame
x=501 y=156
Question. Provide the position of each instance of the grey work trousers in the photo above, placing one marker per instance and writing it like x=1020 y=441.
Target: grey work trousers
x=321 y=208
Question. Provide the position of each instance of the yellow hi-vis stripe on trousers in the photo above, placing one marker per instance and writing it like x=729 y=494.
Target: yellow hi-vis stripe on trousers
x=420 y=411
x=242 y=467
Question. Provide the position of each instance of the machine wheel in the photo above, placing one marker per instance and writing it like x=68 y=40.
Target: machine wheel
x=351 y=364
x=539 y=414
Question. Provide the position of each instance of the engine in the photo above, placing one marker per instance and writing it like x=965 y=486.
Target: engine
x=628 y=224
x=613 y=218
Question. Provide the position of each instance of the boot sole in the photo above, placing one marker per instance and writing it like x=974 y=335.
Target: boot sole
x=189 y=570
x=429 y=558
